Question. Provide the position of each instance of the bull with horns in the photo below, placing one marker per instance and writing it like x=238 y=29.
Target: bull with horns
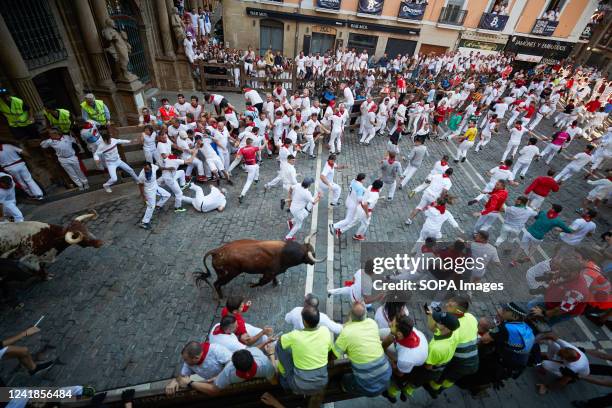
x=268 y=258
x=45 y=241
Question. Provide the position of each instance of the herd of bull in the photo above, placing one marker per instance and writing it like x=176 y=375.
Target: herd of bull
x=27 y=247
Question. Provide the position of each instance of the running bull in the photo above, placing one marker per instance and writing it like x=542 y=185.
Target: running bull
x=269 y=258
x=45 y=241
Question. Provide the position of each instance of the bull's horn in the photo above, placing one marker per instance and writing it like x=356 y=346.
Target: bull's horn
x=315 y=260
x=8 y=253
x=86 y=217
x=307 y=240
x=73 y=237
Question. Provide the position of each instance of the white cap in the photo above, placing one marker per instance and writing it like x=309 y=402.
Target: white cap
x=89 y=96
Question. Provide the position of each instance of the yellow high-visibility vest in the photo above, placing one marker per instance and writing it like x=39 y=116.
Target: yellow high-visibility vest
x=15 y=115
x=96 y=113
x=62 y=122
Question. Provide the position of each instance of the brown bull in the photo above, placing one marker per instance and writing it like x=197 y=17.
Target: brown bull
x=268 y=258
x=45 y=241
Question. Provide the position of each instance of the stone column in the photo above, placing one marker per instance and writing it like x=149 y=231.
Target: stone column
x=92 y=43
x=100 y=11
x=164 y=28
x=17 y=70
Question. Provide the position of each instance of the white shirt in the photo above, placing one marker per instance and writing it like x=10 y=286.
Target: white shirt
x=517 y=134
x=9 y=154
x=207 y=150
x=527 y=153
x=310 y=126
x=109 y=151
x=580 y=160
x=581 y=366
x=581 y=228
x=184 y=144
x=435 y=219
x=7 y=195
x=253 y=97
x=150 y=186
x=182 y=109
x=294 y=318
x=348 y=96
x=174 y=131
x=148 y=141
x=337 y=123
x=498 y=173
x=211 y=201
x=229 y=341
x=516 y=217
x=438 y=184
x=63 y=146
x=288 y=174
x=172 y=165
x=438 y=168
x=216 y=359
x=408 y=358
x=328 y=171
x=301 y=198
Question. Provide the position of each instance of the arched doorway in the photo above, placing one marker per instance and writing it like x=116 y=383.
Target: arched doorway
x=271 y=33
x=56 y=89
x=125 y=15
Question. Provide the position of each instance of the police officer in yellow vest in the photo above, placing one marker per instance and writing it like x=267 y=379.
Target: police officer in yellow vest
x=18 y=115
x=59 y=118
x=95 y=109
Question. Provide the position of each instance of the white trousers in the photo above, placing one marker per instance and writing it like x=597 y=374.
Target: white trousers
x=368 y=134
x=521 y=167
x=463 y=149
x=112 y=171
x=567 y=172
x=309 y=146
x=197 y=163
x=535 y=121
x=510 y=146
x=73 y=169
x=22 y=176
x=407 y=174
x=505 y=233
x=348 y=218
x=550 y=150
x=298 y=219
x=336 y=190
x=252 y=174
x=174 y=185
x=335 y=142
x=535 y=200
x=485 y=138
x=392 y=187
x=485 y=222
x=151 y=156
x=151 y=198
x=10 y=209
x=513 y=118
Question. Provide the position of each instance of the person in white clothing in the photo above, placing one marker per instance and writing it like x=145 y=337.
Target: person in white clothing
x=515 y=218
x=581 y=227
x=415 y=161
x=497 y=173
x=577 y=163
x=369 y=125
x=294 y=317
x=215 y=200
x=310 y=127
x=601 y=191
x=109 y=152
x=173 y=178
x=544 y=111
x=285 y=151
x=337 y=128
x=326 y=180
x=148 y=138
x=439 y=185
x=526 y=155
x=149 y=190
x=223 y=333
x=363 y=211
x=188 y=151
x=562 y=355
x=516 y=134
x=8 y=202
x=439 y=168
x=63 y=146
x=436 y=214
x=213 y=161
x=487 y=131
x=302 y=202
x=11 y=162
x=353 y=199
x=360 y=289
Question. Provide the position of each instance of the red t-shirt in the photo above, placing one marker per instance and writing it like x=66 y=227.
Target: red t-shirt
x=593 y=106
x=249 y=153
x=571 y=297
x=530 y=111
x=496 y=201
x=542 y=186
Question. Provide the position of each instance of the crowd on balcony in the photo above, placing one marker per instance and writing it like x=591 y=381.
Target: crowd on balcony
x=500 y=7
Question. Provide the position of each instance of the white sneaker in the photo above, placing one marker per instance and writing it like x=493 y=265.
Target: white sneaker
x=108 y=189
x=408 y=221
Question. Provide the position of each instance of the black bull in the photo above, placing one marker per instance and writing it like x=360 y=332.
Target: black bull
x=268 y=258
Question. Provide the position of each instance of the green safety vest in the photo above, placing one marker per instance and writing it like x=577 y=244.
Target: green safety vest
x=15 y=115
x=62 y=122
x=96 y=113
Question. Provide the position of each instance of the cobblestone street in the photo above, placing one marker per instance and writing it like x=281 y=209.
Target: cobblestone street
x=119 y=315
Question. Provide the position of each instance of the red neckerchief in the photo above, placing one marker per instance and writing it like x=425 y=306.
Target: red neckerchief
x=503 y=167
x=247 y=90
x=228 y=111
x=425 y=249
x=441 y=208
x=172 y=156
x=552 y=214
x=205 y=347
x=390 y=160
x=247 y=375
x=589 y=153
x=443 y=163
x=519 y=127
x=445 y=175
x=298 y=118
x=586 y=218
x=411 y=341
x=146 y=118
x=374 y=190
x=330 y=165
x=338 y=114
x=609 y=178
x=218 y=330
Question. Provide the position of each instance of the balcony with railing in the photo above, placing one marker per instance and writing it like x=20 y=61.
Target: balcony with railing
x=452 y=15
x=493 y=21
x=544 y=27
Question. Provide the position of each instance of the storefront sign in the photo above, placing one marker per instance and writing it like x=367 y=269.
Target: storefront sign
x=324 y=30
x=481 y=45
x=370 y=6
x=329 y=4
x=495 y=22
x=411 y=11
x=323 y=21
x=550 y=51
x=544 y=27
